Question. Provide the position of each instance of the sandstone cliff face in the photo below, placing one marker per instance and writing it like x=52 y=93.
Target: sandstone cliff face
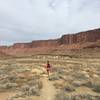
x=35 y=44
x=2 y=54
x=21 y=45
x=82 y=37
x=80 y=40
x=45 y=43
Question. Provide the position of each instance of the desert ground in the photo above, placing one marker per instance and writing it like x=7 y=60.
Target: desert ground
x=72 y=78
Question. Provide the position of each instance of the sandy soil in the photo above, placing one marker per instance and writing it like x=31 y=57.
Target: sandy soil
x=48 y=91
x=83 y=74
x=5 y=96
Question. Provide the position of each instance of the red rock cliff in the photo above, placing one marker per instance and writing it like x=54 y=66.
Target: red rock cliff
x=82 y=37
x=81 y=40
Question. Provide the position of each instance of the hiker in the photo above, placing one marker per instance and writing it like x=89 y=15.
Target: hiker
x=48 y=68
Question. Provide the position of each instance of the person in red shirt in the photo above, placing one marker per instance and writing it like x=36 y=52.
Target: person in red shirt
x=48 y=68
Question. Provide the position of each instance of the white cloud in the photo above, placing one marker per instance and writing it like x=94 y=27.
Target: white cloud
x=26 y=20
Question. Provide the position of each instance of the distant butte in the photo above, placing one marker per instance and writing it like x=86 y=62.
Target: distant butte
x=82 y=40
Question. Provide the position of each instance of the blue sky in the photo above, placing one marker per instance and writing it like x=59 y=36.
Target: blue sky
x=27 y=20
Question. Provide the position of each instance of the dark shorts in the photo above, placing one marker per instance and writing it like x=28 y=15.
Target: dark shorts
x=48 y=69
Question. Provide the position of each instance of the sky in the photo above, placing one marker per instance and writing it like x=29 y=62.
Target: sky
x=28 y=20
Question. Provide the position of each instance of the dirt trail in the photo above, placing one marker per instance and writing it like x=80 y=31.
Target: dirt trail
x=48 y=92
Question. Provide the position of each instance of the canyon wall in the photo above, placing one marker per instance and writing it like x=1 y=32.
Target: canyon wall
x=81 y=40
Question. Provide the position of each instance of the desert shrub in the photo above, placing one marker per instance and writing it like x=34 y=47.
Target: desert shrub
x=96 y=87
x=19 y=98
x=88 y=83
x=36 y=82
x=78 y=83
x=12 y=78
x=54 y=77
x=33 y=82
x=3 y=81
x=1 y=88
x=63 y=96
x=79 y=76
x=21 y=81
x=31 y=88
x=33 y=91
x=9 y=85
x=59 y=70
x=28 y=90
x=68 y=88
x=25 y=88
x=60 y=96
